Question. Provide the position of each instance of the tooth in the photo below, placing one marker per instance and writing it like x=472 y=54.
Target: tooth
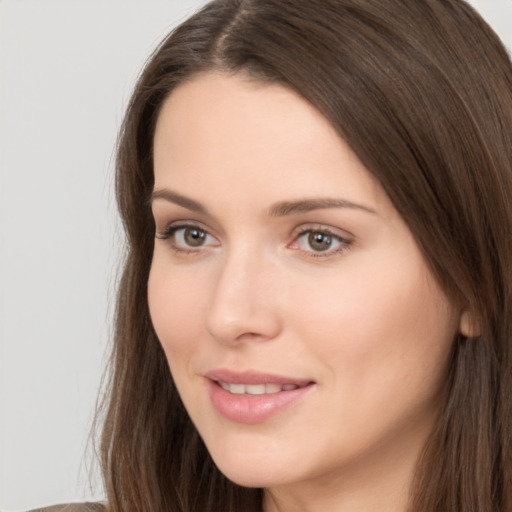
x=272 y=388
x=237 y=389
x=255 y=389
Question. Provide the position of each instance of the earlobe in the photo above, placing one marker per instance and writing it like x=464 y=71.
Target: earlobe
x=469 y=325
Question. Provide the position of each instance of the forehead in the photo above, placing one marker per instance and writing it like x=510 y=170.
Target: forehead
x=218 y=134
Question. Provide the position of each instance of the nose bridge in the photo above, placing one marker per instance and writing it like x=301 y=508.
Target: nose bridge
x=242 y=303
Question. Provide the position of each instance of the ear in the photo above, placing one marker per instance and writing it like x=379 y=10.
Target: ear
x=469 y=324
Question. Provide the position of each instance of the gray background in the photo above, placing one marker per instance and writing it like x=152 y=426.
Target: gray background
x=66 y=71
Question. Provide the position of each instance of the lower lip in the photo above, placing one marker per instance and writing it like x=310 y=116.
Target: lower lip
x=253 y=408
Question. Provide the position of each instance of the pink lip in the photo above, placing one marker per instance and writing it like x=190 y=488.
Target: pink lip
x=253 y=377
x=253 y=408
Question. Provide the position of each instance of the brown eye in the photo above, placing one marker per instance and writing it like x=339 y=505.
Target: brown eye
x=188 y=238
x=319 y=241
x=194 y=237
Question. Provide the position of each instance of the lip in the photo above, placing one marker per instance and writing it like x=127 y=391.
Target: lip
x=243 y=408
x=253 y=377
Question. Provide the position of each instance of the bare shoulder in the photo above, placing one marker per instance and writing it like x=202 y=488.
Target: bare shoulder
x=73 y=507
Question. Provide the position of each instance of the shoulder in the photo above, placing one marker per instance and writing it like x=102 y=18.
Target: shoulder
x=73 y=507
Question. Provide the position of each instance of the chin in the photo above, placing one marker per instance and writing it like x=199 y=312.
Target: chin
x=248 y=480
x=253 y=477
x=251 y=469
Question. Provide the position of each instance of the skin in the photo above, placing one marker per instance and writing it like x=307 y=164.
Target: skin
x=364 y=320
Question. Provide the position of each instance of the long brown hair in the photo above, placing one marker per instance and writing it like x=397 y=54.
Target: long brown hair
x=422 y=92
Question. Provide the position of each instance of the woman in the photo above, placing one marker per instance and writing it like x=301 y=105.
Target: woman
x=315 y=311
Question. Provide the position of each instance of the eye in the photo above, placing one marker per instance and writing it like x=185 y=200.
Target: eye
x=191 y=236
x=187 y=237
x=320 y=242
x=317 y=240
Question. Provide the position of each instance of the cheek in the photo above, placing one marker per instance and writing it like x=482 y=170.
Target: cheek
x=175 y=305
x=386 y=330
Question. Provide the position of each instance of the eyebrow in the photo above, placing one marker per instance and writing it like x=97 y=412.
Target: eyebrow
x=178 y=199
x=285 y=208
x=280 y=209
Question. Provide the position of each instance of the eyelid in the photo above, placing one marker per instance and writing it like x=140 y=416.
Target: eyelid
x=324 y=228
x=183 y=223
x=175 y=226
x=345 y=239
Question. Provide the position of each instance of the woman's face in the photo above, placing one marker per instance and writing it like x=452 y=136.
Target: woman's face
x=303 y=329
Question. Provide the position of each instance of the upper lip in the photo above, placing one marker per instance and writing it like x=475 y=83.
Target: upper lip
x=253 y=377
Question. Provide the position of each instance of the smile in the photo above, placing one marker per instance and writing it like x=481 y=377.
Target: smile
x=256 y=389
x=252 y=396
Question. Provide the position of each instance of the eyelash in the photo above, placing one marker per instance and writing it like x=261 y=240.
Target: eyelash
x=170 y=232
x=344 y=243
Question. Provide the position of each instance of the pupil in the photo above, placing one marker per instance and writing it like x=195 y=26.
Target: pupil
x=194 y=236
x=319 y=241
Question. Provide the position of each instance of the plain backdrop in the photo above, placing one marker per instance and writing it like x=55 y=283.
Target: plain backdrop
x=67 y=68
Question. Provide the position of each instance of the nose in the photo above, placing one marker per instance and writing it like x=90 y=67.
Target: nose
x=244 y=304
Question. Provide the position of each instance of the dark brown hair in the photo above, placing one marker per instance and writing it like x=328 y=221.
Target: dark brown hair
x=422 y=92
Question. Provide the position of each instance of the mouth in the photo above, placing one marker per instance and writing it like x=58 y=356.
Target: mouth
x=254 y=397
x=257 y=389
